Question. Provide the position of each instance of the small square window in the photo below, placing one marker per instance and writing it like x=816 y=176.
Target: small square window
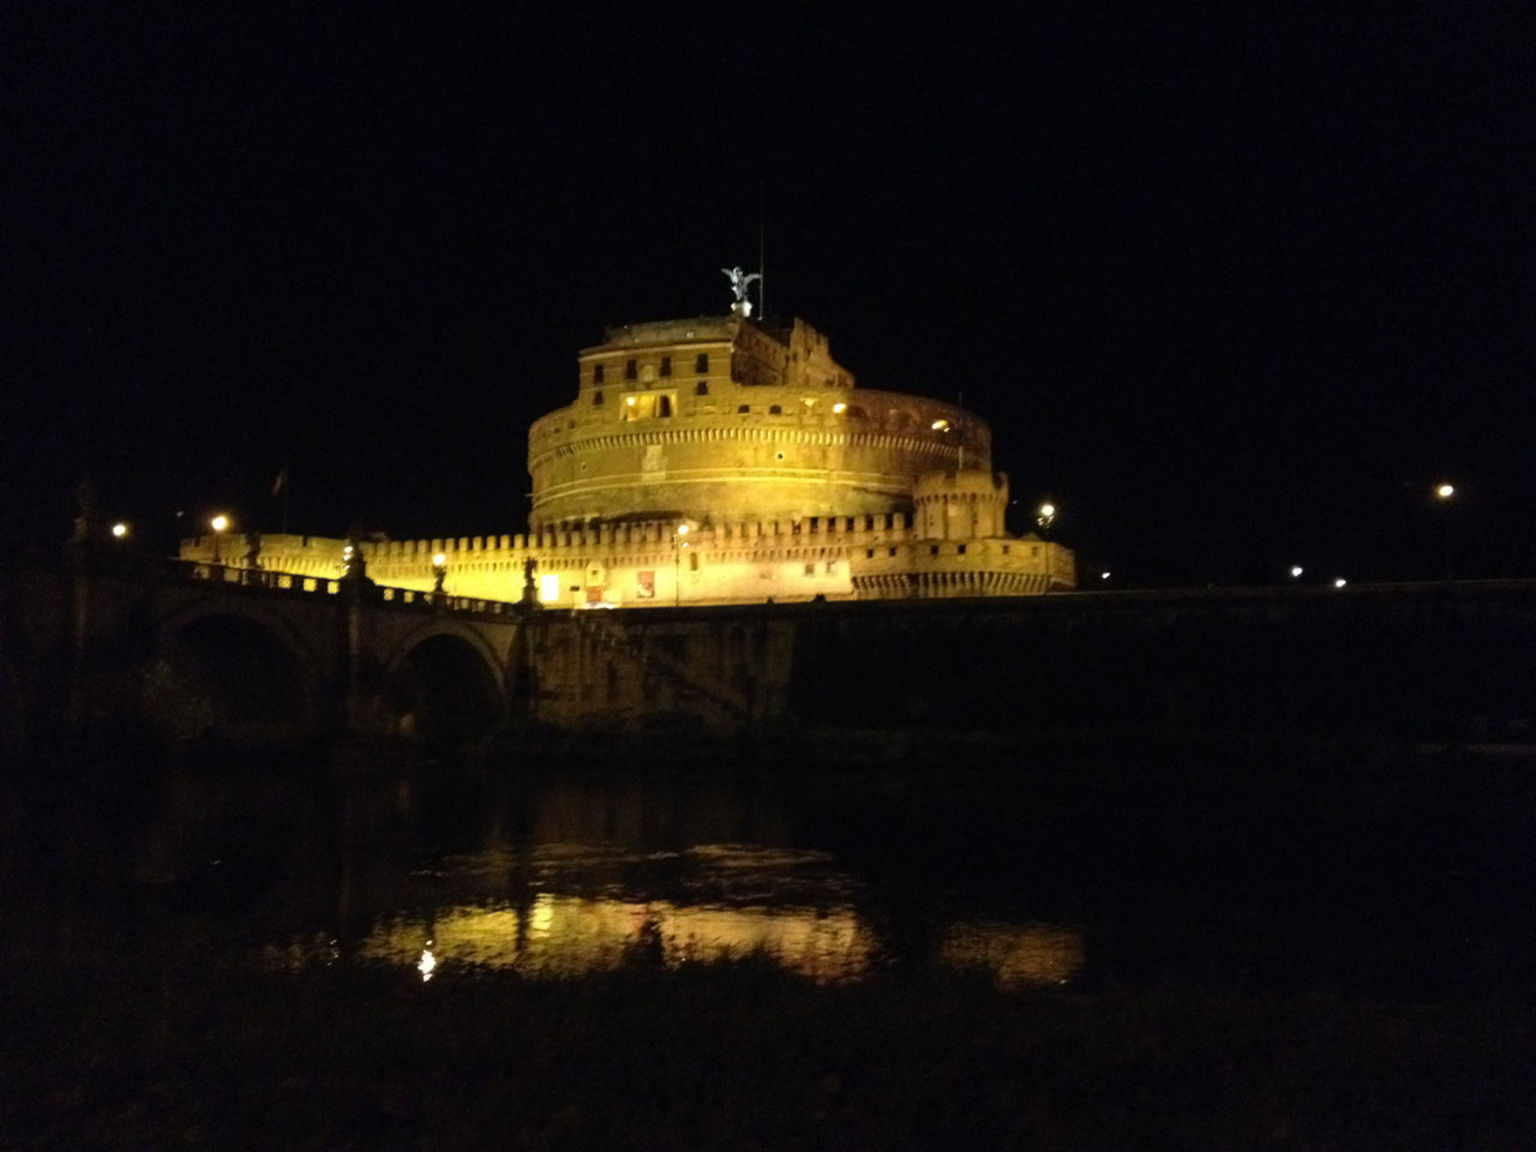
x=775 y=410
x=933 y=549
x=960 y=550
x=743 y=407
x=869 y=553
x=893 y=551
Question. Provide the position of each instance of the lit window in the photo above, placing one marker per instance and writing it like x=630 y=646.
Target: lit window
x=549 y=587
x=701 y=362
x=645 y=585
x=666 y=365
x=839 y=408
x=941 y=425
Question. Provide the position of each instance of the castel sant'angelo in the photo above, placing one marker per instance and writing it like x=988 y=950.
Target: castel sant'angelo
x=718 y=460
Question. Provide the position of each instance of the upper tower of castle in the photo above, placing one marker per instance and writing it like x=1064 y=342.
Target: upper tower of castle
x=720 y=419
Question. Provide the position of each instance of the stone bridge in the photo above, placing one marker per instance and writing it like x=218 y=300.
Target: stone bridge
x=251 y=656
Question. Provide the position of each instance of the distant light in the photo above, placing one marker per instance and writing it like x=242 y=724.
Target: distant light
x=426 y=965
x=682 y=529
x=1047 y=510
x=1339 y=582
x=941 y=425
x=1103 y=575
x=1445 y=491
x=630 y=400
x=119 y=530
x=839 y=408
x=1296 y=570
x=219 y=522
x=439 y=560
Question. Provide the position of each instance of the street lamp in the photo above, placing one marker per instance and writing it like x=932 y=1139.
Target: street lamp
x=119 y=531
x=219 y=523
x=1046 y=516
x=439 y=571
x=1296 y=571
x=679 y=542
x=1443 y=493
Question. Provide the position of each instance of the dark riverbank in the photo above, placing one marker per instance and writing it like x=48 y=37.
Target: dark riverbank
x=182 y=1053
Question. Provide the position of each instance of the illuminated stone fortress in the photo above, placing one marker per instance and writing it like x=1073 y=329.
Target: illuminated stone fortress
x=719 y=461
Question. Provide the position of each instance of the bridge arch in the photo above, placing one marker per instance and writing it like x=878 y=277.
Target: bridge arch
x=236 y=668
x=445 y=679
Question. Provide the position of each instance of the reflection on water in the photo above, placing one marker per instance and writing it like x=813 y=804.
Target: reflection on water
x=566 y=911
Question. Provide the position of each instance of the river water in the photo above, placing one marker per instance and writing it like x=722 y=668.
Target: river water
x=1221 y=870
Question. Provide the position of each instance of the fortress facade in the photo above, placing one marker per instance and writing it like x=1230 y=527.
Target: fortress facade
x=720 y=461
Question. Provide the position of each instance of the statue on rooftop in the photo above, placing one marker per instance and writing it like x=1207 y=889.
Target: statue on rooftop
x=740 y=282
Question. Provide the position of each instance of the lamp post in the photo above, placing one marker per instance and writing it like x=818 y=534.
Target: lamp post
x=1046 y=517
x=679 y=542
x=439 y=572
x=219 y=523
x=119 y=531
x=1444 y=493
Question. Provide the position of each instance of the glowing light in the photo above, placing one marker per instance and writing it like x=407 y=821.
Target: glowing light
x=439 y=560
x=1296 y=570
x=1103 y=575
x=1339 y=582
x=1445 y=491
x=119 y=530
x=219 y=522
x=941 y=425
x=839 y=408
x=630 y=400
x=682 y=529
x=549 y=587
x=427 y=964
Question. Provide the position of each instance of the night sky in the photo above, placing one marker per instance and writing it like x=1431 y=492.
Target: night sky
x=1234 y=291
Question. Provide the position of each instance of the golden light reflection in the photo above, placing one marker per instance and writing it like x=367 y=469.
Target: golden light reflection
x=571 y=936
x=1017 y=955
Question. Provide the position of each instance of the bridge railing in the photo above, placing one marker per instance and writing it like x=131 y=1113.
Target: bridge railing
x=298 y=582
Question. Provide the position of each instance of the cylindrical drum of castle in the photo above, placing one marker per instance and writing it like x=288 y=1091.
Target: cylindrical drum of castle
x=720 y=420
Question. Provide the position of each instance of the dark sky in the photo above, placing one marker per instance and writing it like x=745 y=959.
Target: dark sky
x=1232 y=290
